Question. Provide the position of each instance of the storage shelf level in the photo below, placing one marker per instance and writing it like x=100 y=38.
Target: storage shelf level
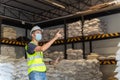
x=69 y=40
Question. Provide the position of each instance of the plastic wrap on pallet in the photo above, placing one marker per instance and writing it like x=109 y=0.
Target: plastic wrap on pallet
x=117 y=70
x=7 y=68
x=13 y=69
x=117 y=57
x=118 y=44
x=118 y=52
x=7 y=71
x=118 y=63
x=117 y=76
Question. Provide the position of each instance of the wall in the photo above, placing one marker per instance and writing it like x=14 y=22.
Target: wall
x=108 y=46
x=113 y=22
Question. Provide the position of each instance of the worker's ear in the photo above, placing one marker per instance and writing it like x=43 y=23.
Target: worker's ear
x=33 y=35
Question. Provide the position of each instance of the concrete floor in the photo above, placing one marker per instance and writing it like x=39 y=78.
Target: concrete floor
x=108 y=71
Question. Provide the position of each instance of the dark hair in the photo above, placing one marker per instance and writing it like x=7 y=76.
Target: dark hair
x=33 y=31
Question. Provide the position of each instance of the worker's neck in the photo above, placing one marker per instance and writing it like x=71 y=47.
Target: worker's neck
x=35 y=41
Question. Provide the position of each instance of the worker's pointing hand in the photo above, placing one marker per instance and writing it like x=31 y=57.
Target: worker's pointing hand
x=58 y=35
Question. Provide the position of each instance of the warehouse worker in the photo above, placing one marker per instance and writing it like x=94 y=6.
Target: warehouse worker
x=36 y=66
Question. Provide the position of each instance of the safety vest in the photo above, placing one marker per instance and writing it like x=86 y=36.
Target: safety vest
x=35 y=61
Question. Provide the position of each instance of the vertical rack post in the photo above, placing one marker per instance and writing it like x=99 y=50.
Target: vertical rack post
x=0 y=32
x=65 y=40
x=83 y=42
x=73 y=46
x=26 y=37
x=90 y=45
x=26 y=32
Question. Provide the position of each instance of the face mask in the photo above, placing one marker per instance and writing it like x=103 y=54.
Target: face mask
x=38 y=37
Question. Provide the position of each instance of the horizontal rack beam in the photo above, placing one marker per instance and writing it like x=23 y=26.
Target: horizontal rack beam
x=108 y=62
x=86 y=38
x=69 y=40
x=13 y=42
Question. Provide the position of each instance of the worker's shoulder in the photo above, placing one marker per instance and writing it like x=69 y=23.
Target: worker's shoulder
x=31 y=45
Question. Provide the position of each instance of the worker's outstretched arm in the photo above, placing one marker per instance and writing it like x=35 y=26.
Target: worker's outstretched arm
x=48 y=44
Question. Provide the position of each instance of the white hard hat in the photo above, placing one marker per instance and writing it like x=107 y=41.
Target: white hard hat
x=35 y=28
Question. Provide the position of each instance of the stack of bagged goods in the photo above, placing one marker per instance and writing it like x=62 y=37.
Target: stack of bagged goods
x=75 y=54
x=21 y=69
x=54 y=55
x=8 y=51
x=75 y=70
x=7 y=68
x=91 y=27
x=111 y=57
x=46 y=35
x=100 y=57
x=117 y=70
x=107 y=57
x=74 y=29
x=54 y=31
x=13 y=69
x=50 y=33
x=8 y=32
x=93 y=56
x=72 y=54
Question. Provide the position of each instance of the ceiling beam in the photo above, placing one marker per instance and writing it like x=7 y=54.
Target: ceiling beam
x=8 y=1
x=52 y=6
x=10 y=11
x=35 y=7
x=69 y=5
x=23 y=10
x=86 y=3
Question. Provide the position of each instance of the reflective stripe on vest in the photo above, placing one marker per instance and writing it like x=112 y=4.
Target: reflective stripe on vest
x=34 y=65
x=34 y=57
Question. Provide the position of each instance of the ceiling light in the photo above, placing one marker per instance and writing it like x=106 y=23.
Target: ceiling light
x=23 y=22
x=56 y=4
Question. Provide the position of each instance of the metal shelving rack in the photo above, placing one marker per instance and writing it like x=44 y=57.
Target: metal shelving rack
x=84 y=15
x=89 y=14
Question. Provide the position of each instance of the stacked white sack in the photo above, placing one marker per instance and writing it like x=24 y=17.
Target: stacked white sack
x=21 y=69
x=7 y=68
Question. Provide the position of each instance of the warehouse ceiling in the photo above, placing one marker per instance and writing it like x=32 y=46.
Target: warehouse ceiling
x=41 y=10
